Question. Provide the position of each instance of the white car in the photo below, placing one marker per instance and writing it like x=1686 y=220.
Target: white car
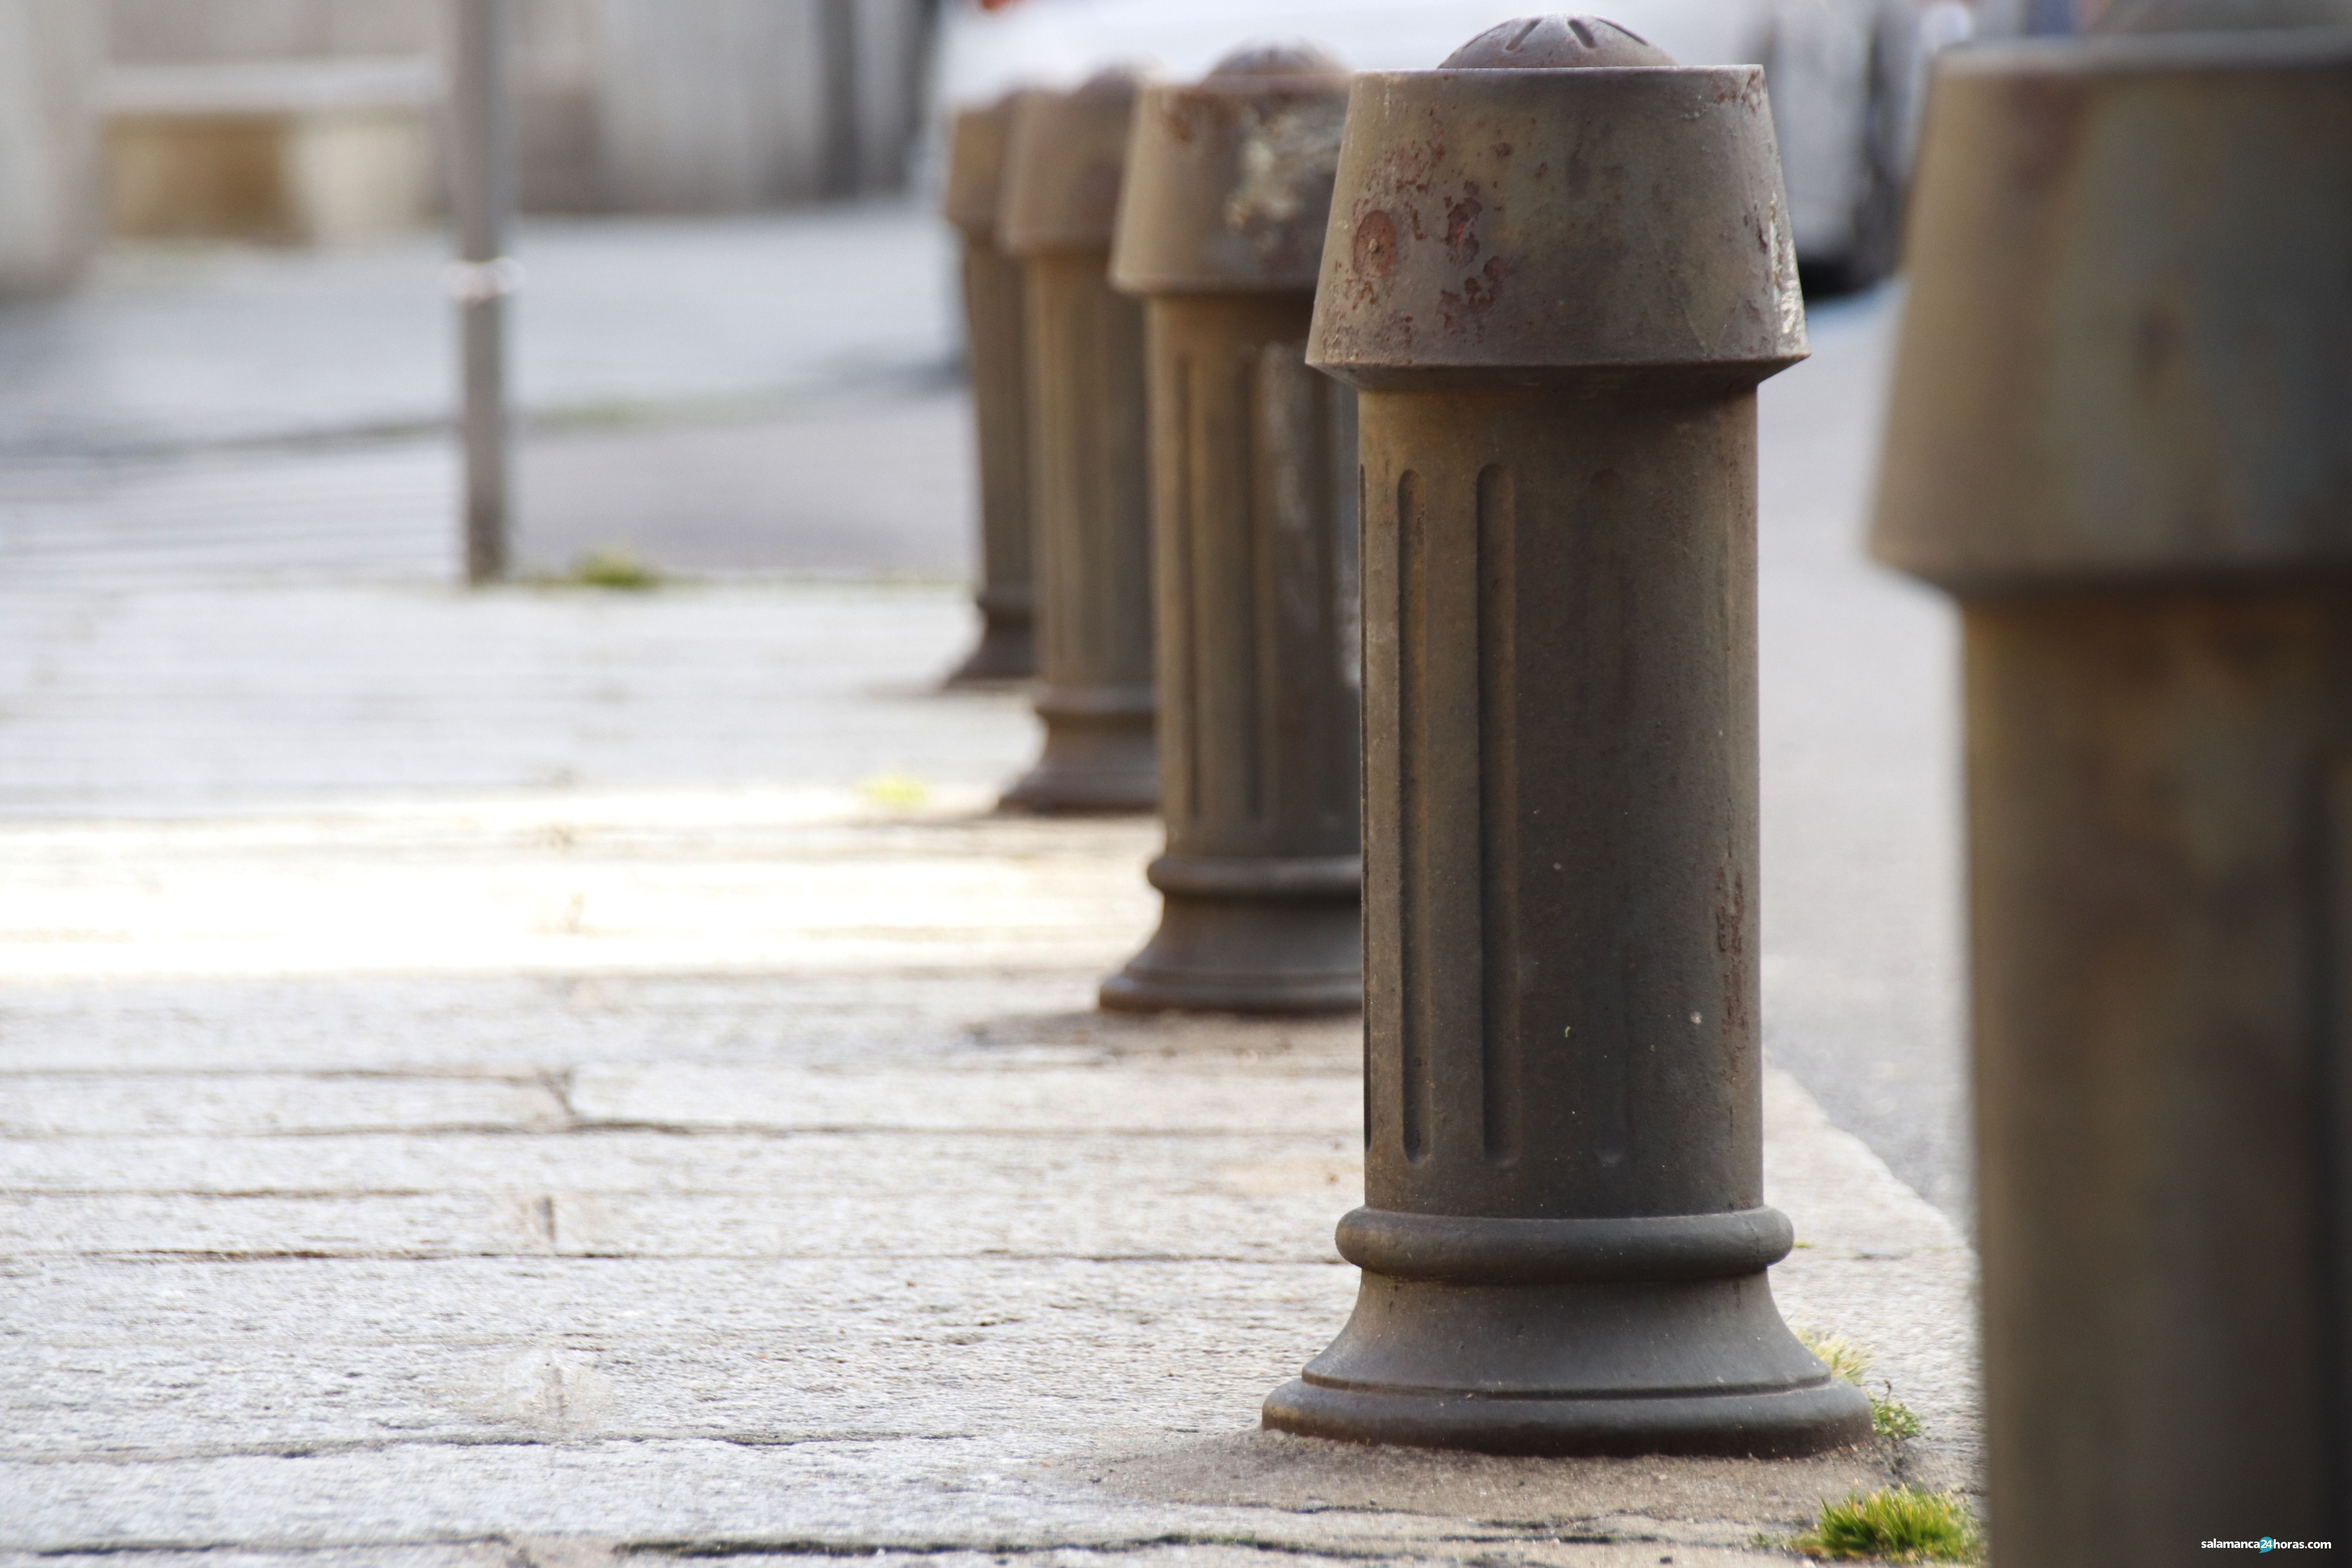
x=1845 y=75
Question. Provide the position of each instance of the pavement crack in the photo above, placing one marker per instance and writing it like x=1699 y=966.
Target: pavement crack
x=333 y=1447
x=1127 y=1546
x=541 y=1209
x=557 y=1084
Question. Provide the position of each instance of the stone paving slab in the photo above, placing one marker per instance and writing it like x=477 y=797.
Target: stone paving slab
x=50 y=1104
x=310 y=1269
x=1095 y=1194
x=175 y=703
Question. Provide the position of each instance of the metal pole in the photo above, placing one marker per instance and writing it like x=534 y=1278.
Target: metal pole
x=1555 y=289
x=1089 y=470
x=2120 y=434
x=482 y=195
x=996 y=349
x=845 y=152
x=1254 y=522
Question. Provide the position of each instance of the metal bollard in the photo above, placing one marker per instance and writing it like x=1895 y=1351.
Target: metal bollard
x=1253 y=523
x=1555 y=283
x=996 y=349
x=1089 y=469
x=2121 y=435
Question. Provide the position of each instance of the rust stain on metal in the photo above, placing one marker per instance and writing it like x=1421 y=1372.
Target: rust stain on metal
x=1461 y=220
x=1376 y=247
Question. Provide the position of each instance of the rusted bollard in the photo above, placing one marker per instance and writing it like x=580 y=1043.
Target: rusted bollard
x=1089 y=474
x=996 y=351
x=2121 y=435
x=1253 y=523
x=1556 y=272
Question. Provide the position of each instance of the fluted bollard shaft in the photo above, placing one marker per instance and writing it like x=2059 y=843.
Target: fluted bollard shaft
x=1090 y=471
x=1254 y=520
x=1562 y=803
x=2121 y=436
x=996 y=353
x=1556 y=272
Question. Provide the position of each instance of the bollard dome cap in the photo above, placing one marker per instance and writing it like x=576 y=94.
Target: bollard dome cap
x=1279 y=58
x=1560 y=198
x=977 y=141
x=1065 y=163
x=1229 y=179
x=2126 y=346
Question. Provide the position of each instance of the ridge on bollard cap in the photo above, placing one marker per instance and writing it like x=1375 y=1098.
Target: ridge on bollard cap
x=1066 y=163
x=1229 y=178
x=976 y=153
x=1558 y=197
x=1556 y=43
x=2126 y=348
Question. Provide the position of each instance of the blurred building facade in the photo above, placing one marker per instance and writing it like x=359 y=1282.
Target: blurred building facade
x=316 y=121
x=626 y=105
x=50 y=180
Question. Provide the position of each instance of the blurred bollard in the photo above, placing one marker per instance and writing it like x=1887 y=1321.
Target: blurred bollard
x=1556 y=289
x=2121 y=435
x=1254 y=524
x=996 y=349
x=1089 y=470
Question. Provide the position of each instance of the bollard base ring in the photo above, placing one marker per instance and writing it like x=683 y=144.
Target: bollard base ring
x=1048 y=790
x=1612 y=1343
x=1100 y=757
x=1006 y=653
x=1279 y=951
x=1777 y=1424
x=1293 y=995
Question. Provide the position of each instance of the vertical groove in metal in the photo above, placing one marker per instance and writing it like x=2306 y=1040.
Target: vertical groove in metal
x=1049 y=432
x=1347 y=601
x=1184 y=526
x=1251 y=598
x=1381 y=931
x=1323 y=492
x=1498 y=806
x=1098 y=491
x=1412 y=827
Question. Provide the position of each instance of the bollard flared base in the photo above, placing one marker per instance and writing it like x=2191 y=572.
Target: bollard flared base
x=1006 y=653
x=1650 y=1335
x=1781 y=1425
x=1265 y=935
x=1100 y=756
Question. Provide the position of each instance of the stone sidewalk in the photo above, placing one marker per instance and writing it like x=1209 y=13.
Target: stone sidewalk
x=759 y=397
x=554 y=1077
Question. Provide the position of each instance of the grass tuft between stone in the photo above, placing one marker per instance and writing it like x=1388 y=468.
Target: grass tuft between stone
x=612 y=567
x=1889 y=1417
x=896 y=792
x=1901 y=1524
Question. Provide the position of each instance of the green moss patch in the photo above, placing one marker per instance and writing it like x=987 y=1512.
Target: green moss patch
x=1898 y=1525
